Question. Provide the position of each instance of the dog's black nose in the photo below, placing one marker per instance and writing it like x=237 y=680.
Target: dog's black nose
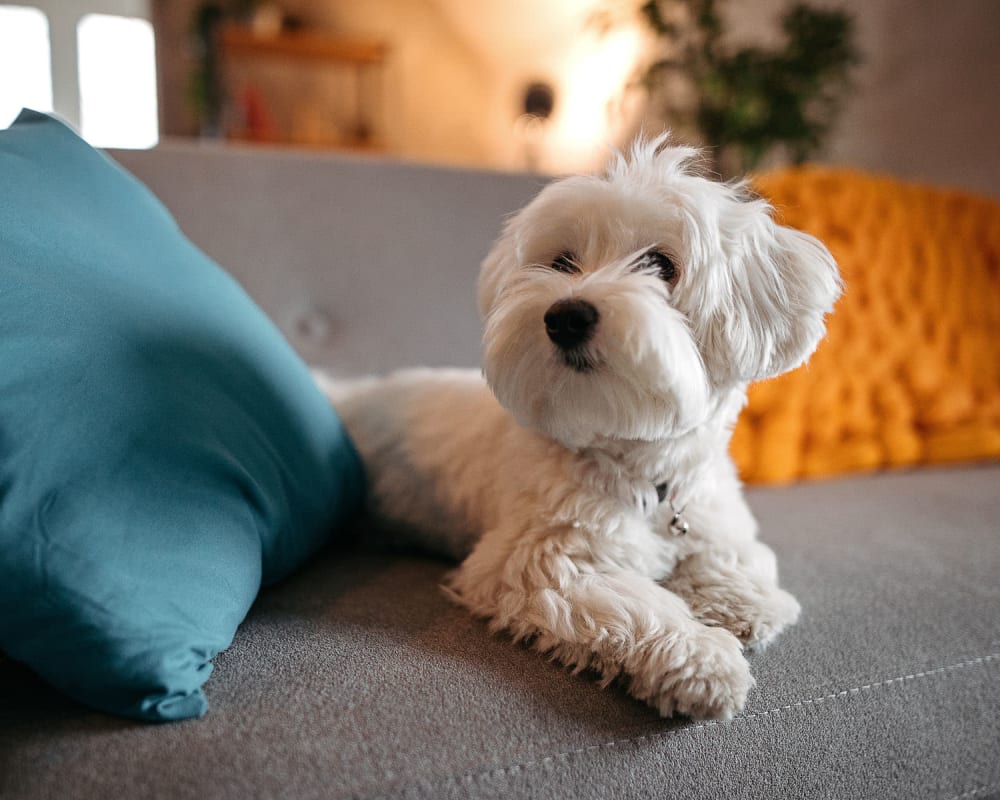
x=570 y=323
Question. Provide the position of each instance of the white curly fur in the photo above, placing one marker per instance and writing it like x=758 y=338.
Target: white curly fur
x=549 y=495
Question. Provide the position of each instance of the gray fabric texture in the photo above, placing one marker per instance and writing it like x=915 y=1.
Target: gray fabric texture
x=357 y=678
x=366 y=265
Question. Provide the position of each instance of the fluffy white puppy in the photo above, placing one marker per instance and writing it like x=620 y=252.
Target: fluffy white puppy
x=590 y=494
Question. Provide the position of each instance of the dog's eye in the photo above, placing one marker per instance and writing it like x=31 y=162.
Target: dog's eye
x=565 y=262
x=663 y=264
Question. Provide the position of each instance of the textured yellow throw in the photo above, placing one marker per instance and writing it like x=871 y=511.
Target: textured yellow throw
x=910 y=370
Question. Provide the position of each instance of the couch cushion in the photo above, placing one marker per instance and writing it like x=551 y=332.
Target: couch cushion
x=358 y=678
x=162 y=450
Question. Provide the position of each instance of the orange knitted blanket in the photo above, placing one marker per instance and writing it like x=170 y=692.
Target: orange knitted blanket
x=910 y=370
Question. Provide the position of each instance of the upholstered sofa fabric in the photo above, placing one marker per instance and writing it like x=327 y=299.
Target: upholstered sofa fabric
x=910 y=370
x=359 y=679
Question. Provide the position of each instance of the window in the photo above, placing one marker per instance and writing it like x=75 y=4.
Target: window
x=25 y=62
x=91 y=61
x=117 y=81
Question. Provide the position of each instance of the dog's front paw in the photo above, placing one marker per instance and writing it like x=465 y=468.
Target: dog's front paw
x=774 y=611
x=701 y=675
x=755 y=618
x=721 y=594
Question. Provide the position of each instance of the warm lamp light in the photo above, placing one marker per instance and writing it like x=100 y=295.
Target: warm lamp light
x=591 y=84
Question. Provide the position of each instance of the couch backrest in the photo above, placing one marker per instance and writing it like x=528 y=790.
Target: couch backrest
x=365 y=264
x=369 y=265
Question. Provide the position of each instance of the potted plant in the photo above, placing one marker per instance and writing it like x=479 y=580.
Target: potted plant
x=748 y=102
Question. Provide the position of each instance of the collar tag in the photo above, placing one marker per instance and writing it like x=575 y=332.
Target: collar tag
x=678 y=525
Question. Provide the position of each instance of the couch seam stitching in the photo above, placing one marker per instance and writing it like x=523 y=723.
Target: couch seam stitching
x=701 y=726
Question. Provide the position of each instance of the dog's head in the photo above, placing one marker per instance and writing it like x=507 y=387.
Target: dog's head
x=625 y=306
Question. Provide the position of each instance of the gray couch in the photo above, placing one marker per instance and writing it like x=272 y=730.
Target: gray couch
x=357 y=677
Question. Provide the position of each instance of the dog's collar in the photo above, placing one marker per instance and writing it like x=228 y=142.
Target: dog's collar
x=678 y=525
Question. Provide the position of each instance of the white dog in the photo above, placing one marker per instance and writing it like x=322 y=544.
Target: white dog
x=595 y=506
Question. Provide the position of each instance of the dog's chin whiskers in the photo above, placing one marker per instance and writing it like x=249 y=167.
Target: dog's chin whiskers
x=578 y=360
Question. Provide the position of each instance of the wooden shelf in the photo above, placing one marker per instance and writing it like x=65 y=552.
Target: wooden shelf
x=360 y=59
x=236 y=40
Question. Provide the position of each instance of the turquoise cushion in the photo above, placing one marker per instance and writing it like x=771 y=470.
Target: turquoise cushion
x=163 y=451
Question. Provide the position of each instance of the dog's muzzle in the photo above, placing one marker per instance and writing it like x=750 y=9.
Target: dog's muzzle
x=570 y=323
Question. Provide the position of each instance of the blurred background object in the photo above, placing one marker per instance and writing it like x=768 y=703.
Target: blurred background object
x=263 y=75
x=746 y=102
x=886 y=85
x=533 y=125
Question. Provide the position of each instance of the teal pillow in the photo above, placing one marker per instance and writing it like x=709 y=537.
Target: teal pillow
x=163 y=451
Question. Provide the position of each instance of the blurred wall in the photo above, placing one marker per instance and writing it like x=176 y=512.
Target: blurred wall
x=926 y=106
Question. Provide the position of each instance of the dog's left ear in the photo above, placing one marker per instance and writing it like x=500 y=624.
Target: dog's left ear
x=782 y=284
